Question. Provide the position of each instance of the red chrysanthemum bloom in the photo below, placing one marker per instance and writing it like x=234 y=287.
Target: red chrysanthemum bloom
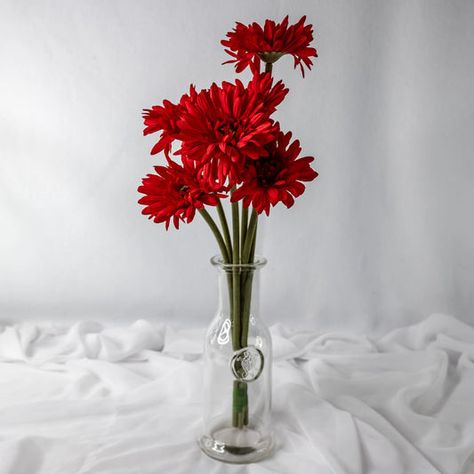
x=276 y=177
x=175 y=192
x=250 y=44
x=222 y=127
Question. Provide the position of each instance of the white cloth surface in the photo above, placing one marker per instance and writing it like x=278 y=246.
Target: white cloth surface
x=90 y=399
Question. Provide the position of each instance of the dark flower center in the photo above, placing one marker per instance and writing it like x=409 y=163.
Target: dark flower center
x=227 y=129
x=268 y=168
x=182 y=190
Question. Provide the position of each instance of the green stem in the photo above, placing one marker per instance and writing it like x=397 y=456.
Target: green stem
x=247 y=293
x=235 y=232
x=228 y=243
x=244 y=224
x=254 y=244
x=225 y=227
x=268 y=67
x=251 y=232
x=239 y=404
x=247 y=299
x=236 y=323
x=215 y=230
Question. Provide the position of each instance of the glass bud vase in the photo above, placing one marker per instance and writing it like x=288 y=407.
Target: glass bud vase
x=237 y=370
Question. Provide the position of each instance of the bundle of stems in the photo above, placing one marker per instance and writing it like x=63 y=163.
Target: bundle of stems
x=237 y=253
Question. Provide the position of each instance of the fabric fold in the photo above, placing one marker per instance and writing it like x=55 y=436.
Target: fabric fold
x=103 y=399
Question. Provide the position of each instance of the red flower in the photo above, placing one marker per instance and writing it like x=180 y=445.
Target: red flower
x=175 y=192
x=270 y=97
x=275 y=177
x=162 y=118
x=248 y=44
x=223 y=126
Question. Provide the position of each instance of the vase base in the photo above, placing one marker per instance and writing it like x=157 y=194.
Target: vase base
x=236 y=445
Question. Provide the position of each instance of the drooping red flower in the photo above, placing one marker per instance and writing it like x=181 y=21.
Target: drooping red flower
x=270 y=97
x=164 y=118
x=249 y=44
x=276 y=177
x=174 y=192
x=221 y=127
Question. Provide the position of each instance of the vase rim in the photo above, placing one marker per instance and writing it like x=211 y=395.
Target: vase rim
x=258 y=262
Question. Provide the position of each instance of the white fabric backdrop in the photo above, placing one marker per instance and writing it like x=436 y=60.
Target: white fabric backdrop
x=384 y=237
x=119 y=400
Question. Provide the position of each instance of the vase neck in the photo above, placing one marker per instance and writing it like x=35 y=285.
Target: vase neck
x=238 y=290
x=238 y=299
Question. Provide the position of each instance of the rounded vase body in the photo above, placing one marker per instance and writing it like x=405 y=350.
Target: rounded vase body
x=237 y=370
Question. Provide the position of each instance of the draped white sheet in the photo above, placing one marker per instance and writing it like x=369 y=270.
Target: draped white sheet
x=90 y=399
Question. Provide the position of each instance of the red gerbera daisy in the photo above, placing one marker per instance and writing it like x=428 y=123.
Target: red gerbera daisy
x=222 y=126
x=175 y=192
x=250 y=44
x=164 y=118
x=275 y=177
x=270 y=97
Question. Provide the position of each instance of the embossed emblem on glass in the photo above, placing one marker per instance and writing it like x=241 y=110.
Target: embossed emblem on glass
x=247 y=364
x=223 y=337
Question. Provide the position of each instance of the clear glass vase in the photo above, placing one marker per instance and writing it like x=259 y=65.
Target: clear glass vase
x=237 y=370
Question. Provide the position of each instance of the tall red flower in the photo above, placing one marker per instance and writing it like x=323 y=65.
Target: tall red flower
x=277 y=177
x=174 y=193
x=249 y=44
x=223 y=126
